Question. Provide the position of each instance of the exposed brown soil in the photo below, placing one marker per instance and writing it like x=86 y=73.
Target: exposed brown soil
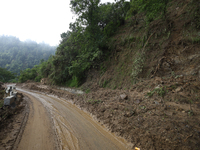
x=1 y=94
x=12 y=123
x=38 y=132
x=145 y=115
x=151 y=81
x=74 y=128
x=158 y=68
x=27 y=126
x=164 y=48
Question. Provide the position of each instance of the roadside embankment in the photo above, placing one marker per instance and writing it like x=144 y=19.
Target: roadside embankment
x=158 y=113
x=12 y=120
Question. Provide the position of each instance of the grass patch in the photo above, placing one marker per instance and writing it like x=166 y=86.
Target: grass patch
x=1 y=103
x=73 y=83
x=114 y=87
x=160 y=91
x=105 y=83
x=87 y=91
x=103 y=69
x=94 y=101
x=138 y=65
x=192 y=35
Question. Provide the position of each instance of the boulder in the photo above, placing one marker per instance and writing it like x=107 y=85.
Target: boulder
x=45 y=81
x=9 y=89
x=15 y=94
x=9 y=101
x=14 y=89
x=123 y=96
x=179 y=89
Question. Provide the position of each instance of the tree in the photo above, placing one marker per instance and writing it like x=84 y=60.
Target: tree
x=5 y=75
x=84 y=46
x=16 y=55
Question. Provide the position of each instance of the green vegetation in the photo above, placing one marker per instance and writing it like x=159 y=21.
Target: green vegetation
x=160 y=91
x=42 y=70
x=87 y=44
x=1 y=103
x=94 y=101
x=138 y=65
x=6 y=76
x=152 y=8
x=16 y=55
x=87 y=91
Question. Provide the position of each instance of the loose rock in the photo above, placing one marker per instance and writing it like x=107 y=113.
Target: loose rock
x=123 y=96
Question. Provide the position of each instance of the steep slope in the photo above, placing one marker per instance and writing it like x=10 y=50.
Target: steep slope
x=164 y=48
x=157 y=69
x=147 y=91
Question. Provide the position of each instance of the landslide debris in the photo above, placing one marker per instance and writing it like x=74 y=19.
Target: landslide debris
x=157 y=113
x=162 y=48
x=148 y=89
x=10 y=120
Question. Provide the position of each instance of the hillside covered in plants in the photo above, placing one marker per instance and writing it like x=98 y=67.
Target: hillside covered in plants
x=123 y=42
x=16 y=55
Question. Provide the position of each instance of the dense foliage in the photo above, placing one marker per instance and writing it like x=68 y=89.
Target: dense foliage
x=16 y=55
x=5 y=75
x=152 y=8
x=85 y=46
x=42 y=70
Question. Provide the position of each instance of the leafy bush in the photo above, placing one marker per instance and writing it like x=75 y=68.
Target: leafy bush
x=38 y=78
x=161 y=92
x=84 y=46
x=74 y=82
x=5 y=75
x=152 y=8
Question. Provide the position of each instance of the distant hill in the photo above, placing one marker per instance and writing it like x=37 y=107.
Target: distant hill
x=16 y=55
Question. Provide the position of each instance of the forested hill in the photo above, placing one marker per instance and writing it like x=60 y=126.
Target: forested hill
x=119 y=44
x=16 y=55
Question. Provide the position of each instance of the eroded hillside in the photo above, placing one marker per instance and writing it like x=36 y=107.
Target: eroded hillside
x=148 y=89
x=164 y=48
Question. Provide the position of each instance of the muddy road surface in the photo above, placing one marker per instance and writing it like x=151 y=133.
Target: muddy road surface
x=55 y=123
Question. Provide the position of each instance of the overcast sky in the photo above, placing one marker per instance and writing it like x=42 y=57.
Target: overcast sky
x=37 y=20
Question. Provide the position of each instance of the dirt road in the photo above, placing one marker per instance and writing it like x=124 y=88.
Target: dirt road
x=53 y=121
x=38 y=131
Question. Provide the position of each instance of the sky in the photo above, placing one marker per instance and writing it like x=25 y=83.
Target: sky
x=39 y=20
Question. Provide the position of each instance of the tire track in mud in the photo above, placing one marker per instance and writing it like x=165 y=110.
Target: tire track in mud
x=64 y=132
x=75 y=129
x=37 y=133
x=21 y=131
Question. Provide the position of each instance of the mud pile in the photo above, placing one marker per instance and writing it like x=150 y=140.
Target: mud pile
x=1 y=91
x=7 y=111
x=11 y=121
x=154 y=114
x=157 y=113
